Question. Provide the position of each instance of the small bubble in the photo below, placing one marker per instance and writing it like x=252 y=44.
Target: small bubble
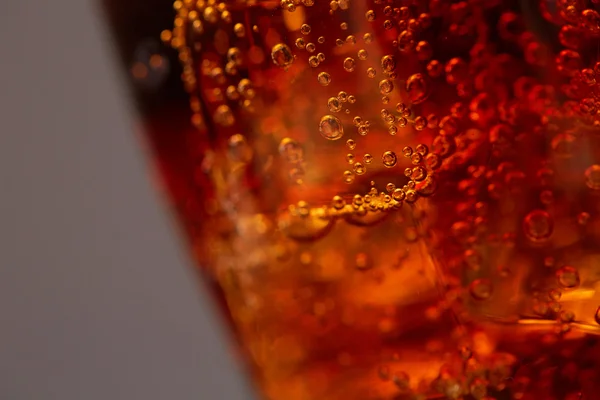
x=239 y=30
x=343 y=96
x=417 y=88
x=370 y=15
x=389 y=159
x=321 y=57
x=371 y=72
x=300 y=43
x=351 y=39
x=313 y=61
x=291 y=150
x=334 y=104
x=339 y=42
x=368 y=38
x=424 y=50
x=282 y=55
x=385 y=86
x=305 y=29
x=406 y=41
x=481 y=289
x=351 y=144
x=357 y=120
x=388 y=63
x=224 y=116
x=420 y=123
x=331 y=127
x=457 y=71
x=321 y=39
x=418 y=174
x=433 y=161
x=407 y=151
x=351 y=99
x=592 y=177
x=393 y=130
x=348 y=177
x=362 y=54
x=310 y=47
x=359 y=168
x=324 y=78
x=568 y=277
x=422 y=149
x=367 y=158
x=344 y=26
x=349 y=64
x=338 y=202
x=398 y=194
x=538 y=225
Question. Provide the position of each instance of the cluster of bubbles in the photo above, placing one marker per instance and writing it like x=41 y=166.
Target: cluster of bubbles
x=509 y=156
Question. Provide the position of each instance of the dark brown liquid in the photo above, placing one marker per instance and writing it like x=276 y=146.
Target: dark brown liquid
x=396 y=200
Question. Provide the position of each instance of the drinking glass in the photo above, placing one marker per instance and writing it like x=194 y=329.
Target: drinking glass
x=391 y=199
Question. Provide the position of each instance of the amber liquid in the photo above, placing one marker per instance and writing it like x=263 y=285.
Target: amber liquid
x=394 y=200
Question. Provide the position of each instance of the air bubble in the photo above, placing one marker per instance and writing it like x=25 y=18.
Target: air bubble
x=334 y=104
x=389 y=159
x=331 y=127
x=282 y=55
x=362 y=54
x=291 y=150
x=348 y=177
x=417 y=88
x=324 y=78
x=592 y=177
x=538 y=226
x=359 y=168
x=568 y=277
x=385 y=86
x=481 y=289
x=305 y=29
x=349 y=64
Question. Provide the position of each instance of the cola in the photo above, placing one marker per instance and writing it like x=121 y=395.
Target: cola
x=392 y=199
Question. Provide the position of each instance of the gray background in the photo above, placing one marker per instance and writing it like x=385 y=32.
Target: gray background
x=97 y=300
